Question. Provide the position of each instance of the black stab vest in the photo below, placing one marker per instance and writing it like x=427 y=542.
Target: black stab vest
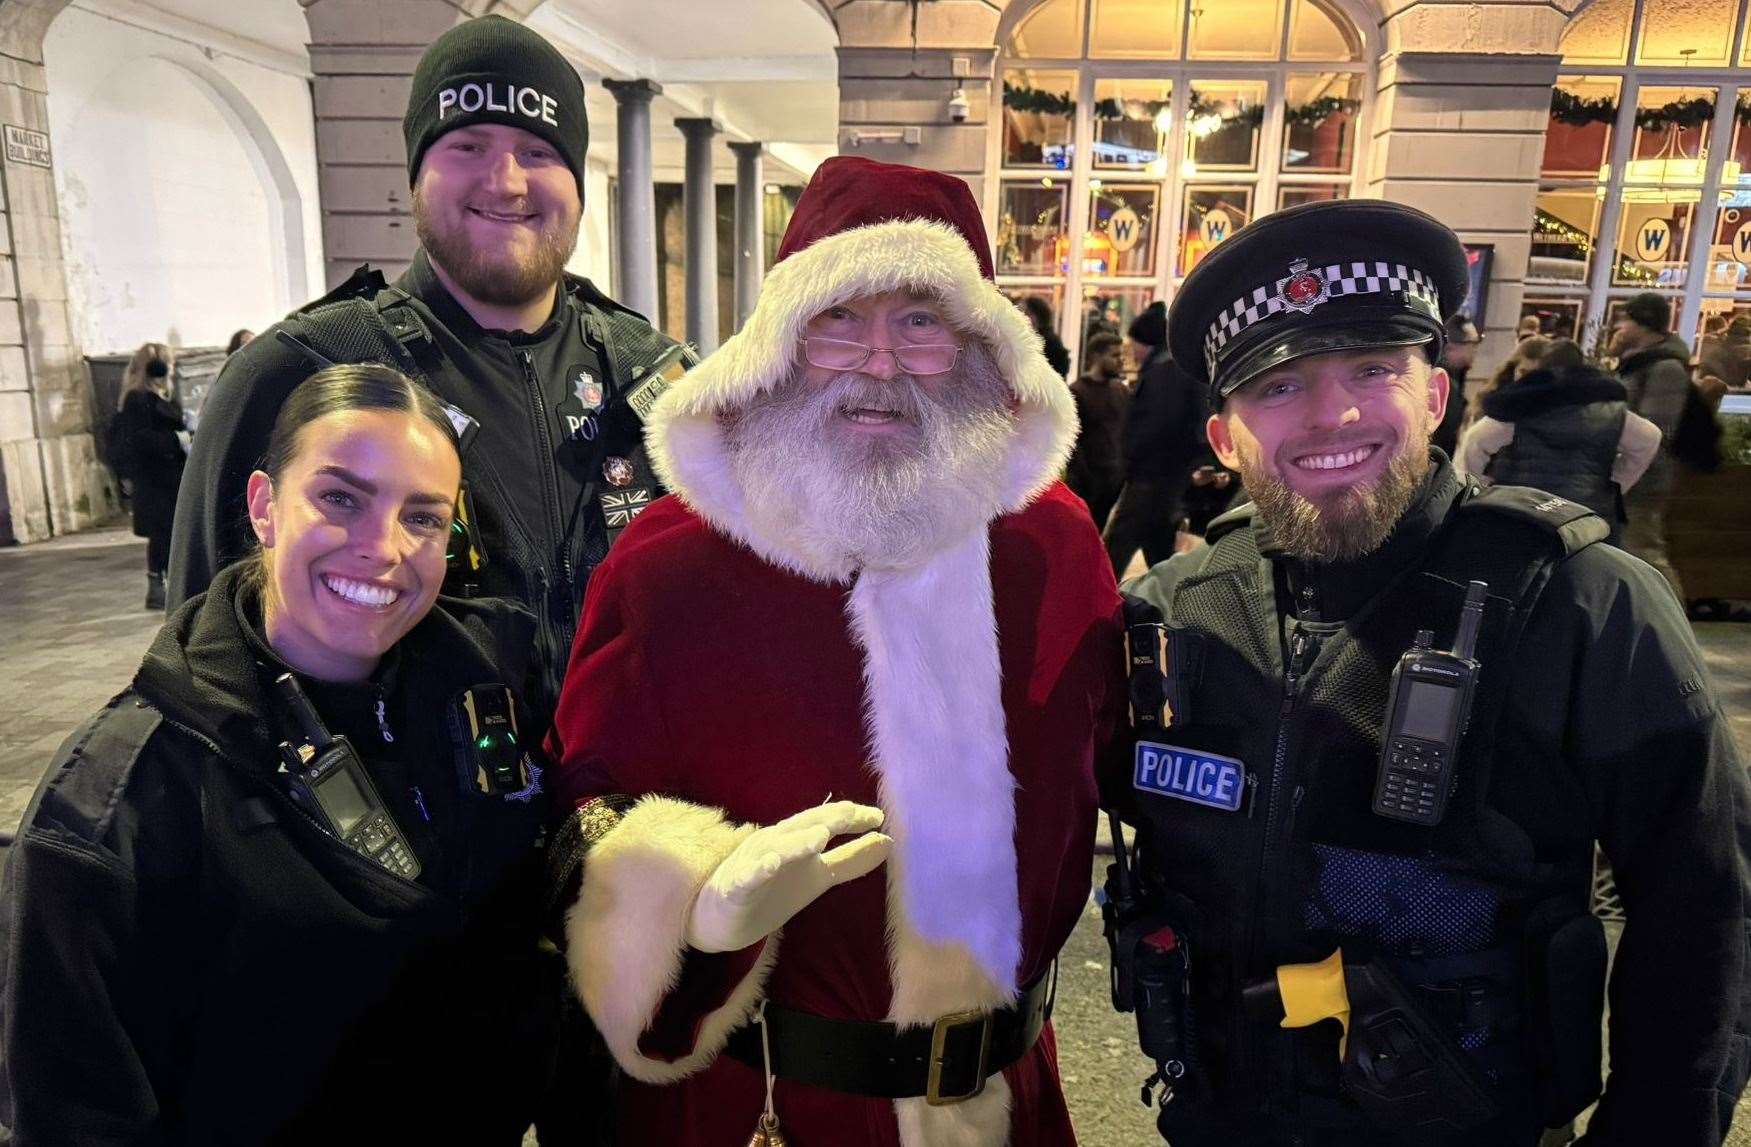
x=1305 y=866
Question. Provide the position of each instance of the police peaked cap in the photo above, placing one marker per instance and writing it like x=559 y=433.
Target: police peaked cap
x=494 y=70
x=1322 y=277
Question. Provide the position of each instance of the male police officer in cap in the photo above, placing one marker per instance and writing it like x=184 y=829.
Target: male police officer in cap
x=545 y=376
x=1357 y=907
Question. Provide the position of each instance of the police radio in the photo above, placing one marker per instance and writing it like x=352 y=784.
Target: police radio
x=1429 y=707
x=330 y=778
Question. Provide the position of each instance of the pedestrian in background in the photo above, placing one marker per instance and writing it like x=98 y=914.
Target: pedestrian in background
x=1463 y=340
x=1164 y=435
x=1563 y=426
x=1096 y=469
x=148 y=456
x=239 y=339
x=1726 y=353
x=1654 y=365
x=1039 y=314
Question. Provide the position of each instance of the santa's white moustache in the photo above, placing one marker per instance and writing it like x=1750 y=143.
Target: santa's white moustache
x=884 y=501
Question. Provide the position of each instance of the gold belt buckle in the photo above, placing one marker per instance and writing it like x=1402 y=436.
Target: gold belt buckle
x=938 y=1051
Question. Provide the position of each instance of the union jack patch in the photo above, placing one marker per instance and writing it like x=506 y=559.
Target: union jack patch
x=621 y=506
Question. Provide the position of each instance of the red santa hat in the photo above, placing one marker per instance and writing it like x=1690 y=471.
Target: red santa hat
x=863 y=228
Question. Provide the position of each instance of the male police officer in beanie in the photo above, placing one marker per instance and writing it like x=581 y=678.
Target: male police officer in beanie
x=1465 y=1005
x=545 y=374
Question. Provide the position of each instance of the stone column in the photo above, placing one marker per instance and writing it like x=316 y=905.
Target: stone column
x=750 y=227
x=363 y=60
x=635 y=278
x=699 y=203
x=898 y=64
x=1457 y=129
x=50 y=479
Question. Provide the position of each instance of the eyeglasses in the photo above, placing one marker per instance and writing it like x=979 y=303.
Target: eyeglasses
x=916 y=359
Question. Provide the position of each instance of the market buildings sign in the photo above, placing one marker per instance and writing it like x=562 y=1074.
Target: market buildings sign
x=26 y=146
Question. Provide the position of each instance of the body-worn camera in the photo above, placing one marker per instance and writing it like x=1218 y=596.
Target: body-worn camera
x=483 y=725
x=1429 y=708
x=326 y=772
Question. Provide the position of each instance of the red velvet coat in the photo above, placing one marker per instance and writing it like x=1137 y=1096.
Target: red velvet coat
x=703 y=672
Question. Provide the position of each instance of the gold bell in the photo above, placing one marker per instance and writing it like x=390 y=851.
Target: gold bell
x=767 y=1133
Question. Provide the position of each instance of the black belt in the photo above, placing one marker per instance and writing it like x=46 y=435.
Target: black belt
x=946 y=1062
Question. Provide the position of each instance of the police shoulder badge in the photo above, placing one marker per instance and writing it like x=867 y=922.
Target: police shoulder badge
x=587 y=390
x=1304 y=289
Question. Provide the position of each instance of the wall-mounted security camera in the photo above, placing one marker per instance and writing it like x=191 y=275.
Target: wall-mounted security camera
x=959 y=107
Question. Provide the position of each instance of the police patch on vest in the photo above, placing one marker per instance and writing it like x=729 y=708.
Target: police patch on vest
x=1188 y=775
x=578 y=410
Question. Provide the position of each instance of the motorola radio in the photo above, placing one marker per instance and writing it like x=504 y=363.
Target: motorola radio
x=1427 y=712
x=330 y=780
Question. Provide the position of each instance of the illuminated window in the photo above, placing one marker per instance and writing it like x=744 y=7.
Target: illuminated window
x=1138 y=135
x=1647 y=167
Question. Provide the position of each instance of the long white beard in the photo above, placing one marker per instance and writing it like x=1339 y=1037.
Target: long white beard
x=844 y=501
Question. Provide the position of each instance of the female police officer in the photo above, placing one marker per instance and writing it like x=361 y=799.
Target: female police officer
x=202 y=943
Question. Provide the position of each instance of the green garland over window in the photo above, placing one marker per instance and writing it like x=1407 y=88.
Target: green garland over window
x=1315 y=112
x=1578 y=111
x=1027 y=99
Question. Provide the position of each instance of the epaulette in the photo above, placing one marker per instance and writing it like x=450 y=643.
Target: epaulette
x=1229 y=521
x=364 y=283
x=81 y=801
x=1575 y=526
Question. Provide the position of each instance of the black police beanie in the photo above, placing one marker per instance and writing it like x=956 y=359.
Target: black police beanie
x=1150 y=327
x=1650 y=310
x=494 y=70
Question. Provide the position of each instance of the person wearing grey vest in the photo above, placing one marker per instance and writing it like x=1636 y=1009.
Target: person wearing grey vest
x=1564 y=427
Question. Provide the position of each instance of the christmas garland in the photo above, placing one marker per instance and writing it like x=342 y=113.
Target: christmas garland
x=1579 y=111
x=1029 y=99
x=1024 y=99
x=1315 y=112
x=1690 y=113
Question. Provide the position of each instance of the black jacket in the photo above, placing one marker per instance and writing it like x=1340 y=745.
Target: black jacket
x=190 y=959
x=1164 y=430
x=1096 y=468
x=1607 y=729
x=534 y=481
x=1566 y=431
x=145 y=449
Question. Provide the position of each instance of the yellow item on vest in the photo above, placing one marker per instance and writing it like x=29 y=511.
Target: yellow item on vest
x=1315 y=992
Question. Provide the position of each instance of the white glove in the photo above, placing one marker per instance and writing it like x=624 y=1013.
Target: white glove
x=778 y=870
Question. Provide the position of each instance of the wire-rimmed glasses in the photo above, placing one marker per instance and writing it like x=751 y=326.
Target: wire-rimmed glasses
x=915 y=359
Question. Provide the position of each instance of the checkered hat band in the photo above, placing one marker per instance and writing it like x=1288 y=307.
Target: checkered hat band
x=1341 y=279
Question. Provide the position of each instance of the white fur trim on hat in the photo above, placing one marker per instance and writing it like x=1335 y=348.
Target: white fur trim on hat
x=686 y=440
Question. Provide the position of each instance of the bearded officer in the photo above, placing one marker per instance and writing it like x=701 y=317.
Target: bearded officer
x=543 y=375
x=1327 y=948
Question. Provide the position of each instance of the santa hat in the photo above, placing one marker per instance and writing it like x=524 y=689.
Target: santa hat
x=862 y=228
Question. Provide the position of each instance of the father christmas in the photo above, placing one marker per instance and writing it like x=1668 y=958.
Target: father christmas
x=868 y=605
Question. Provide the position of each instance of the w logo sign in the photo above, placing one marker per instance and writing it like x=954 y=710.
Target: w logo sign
x=1653 y=240
x=1215 y=226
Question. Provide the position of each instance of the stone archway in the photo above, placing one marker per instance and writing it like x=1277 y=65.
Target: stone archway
x=272 y=169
